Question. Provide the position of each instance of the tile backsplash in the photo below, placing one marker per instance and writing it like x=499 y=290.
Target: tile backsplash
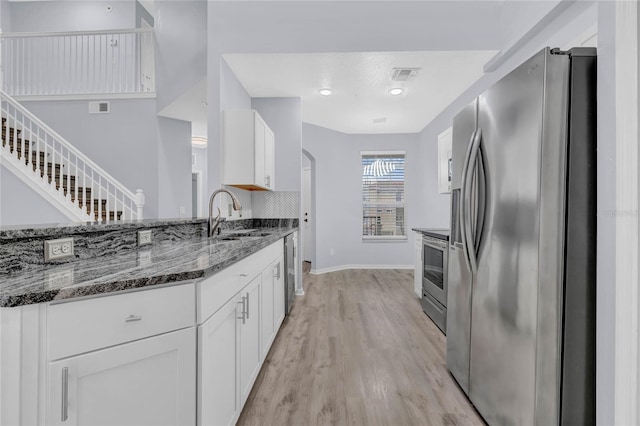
x=275 y=204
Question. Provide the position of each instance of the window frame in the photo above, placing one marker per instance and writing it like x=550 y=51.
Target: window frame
x=384 y=238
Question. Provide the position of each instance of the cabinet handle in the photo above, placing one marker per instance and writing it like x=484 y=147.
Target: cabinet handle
x=133 y=318
x=244 y=275
x=276 y=271
x=65 y=394
x=247 y=305
x=243 y=311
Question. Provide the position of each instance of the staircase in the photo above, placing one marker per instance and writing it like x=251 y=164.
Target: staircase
x=60 y=173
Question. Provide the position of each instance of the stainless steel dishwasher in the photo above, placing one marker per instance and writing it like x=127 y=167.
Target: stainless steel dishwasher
x=290 y=274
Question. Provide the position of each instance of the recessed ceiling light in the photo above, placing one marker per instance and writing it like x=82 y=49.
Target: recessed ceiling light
x=396 y=91
x=199 y=141
x=325 y=91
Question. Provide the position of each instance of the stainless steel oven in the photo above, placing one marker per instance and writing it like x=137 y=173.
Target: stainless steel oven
x=434 y=279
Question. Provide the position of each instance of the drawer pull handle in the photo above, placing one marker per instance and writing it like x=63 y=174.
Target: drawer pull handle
x=276 y=271
x=247 y=305
x=244 y=311
x=133 y=318
x=244 y=275
x=65 y=394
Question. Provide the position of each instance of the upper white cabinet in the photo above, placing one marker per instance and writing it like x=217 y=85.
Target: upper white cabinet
x=248 y=151
x=445 y=140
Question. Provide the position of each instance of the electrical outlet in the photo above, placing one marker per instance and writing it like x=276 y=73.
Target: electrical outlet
x=144 y=237
x=61 y=248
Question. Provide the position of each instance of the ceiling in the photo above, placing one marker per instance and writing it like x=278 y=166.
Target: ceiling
x=361 y=102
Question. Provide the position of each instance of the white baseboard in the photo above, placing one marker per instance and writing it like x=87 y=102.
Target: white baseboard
x=344 y=267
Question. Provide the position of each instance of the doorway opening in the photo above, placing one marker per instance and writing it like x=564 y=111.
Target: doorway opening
x=307 y=226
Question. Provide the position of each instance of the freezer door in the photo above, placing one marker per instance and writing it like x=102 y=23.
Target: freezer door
x=459 y=273
x=514 y=365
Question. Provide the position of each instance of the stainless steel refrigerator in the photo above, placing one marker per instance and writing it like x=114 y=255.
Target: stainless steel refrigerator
x=521 y=298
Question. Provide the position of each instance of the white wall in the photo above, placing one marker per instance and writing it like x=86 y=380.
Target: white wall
x=517 y=17
x=338 y=192
x=174 y=168
x=354 y=26
x=21 y=205
x=283 y=116
x=123 y=142
x=46 y=16
x=201 y=167
x=5 y=16
x=181 y=47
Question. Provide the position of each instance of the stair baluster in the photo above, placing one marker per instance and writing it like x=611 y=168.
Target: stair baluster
x=43 y=159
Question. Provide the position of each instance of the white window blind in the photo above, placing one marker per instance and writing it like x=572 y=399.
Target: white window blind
x=383 y=195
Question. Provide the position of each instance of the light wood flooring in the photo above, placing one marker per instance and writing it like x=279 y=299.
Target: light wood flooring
x=357 y=350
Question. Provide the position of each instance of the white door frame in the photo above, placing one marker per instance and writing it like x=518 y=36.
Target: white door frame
x=307 y=238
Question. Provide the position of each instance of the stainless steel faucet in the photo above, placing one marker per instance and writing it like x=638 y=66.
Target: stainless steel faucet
x=215 y=223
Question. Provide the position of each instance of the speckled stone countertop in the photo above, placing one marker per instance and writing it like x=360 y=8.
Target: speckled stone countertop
x=164 y=262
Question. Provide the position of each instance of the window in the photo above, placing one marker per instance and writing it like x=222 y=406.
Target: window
x=383 y=200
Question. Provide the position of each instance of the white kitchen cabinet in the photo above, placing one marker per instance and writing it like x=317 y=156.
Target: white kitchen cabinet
x=231 y=338
x=272 y=303
x=218 y=354
x=278 y=295
x=445 y=140
x=267 y=322
x=417 y=276
x=248 y=151
x=250 y=359
x=147 y=382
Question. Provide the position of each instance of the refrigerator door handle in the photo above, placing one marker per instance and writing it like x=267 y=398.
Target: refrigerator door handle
x=464 y=196
x=468 y=231
x=481 y=199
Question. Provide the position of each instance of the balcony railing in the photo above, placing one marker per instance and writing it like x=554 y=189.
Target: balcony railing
x=78 y=63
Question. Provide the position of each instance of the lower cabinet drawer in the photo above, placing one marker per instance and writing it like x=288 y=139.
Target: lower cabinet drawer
x=82 y=326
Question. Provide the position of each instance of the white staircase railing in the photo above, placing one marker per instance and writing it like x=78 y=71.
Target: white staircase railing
x=49 y=161
x=72 y=63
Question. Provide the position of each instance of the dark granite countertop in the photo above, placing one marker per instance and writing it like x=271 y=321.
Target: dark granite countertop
x=441 y=234
x=66 y=229
x=164 y=262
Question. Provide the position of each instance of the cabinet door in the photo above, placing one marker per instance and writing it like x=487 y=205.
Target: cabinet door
x=417 y=275
x=269 y=159
x=259 y=140
x=218 y=352
x=250 y=338
x=267 y=314
x=278 y=294
x=147 y=382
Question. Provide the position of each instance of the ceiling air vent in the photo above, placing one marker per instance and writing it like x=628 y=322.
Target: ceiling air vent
x=99 y=107
x=404 y=74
